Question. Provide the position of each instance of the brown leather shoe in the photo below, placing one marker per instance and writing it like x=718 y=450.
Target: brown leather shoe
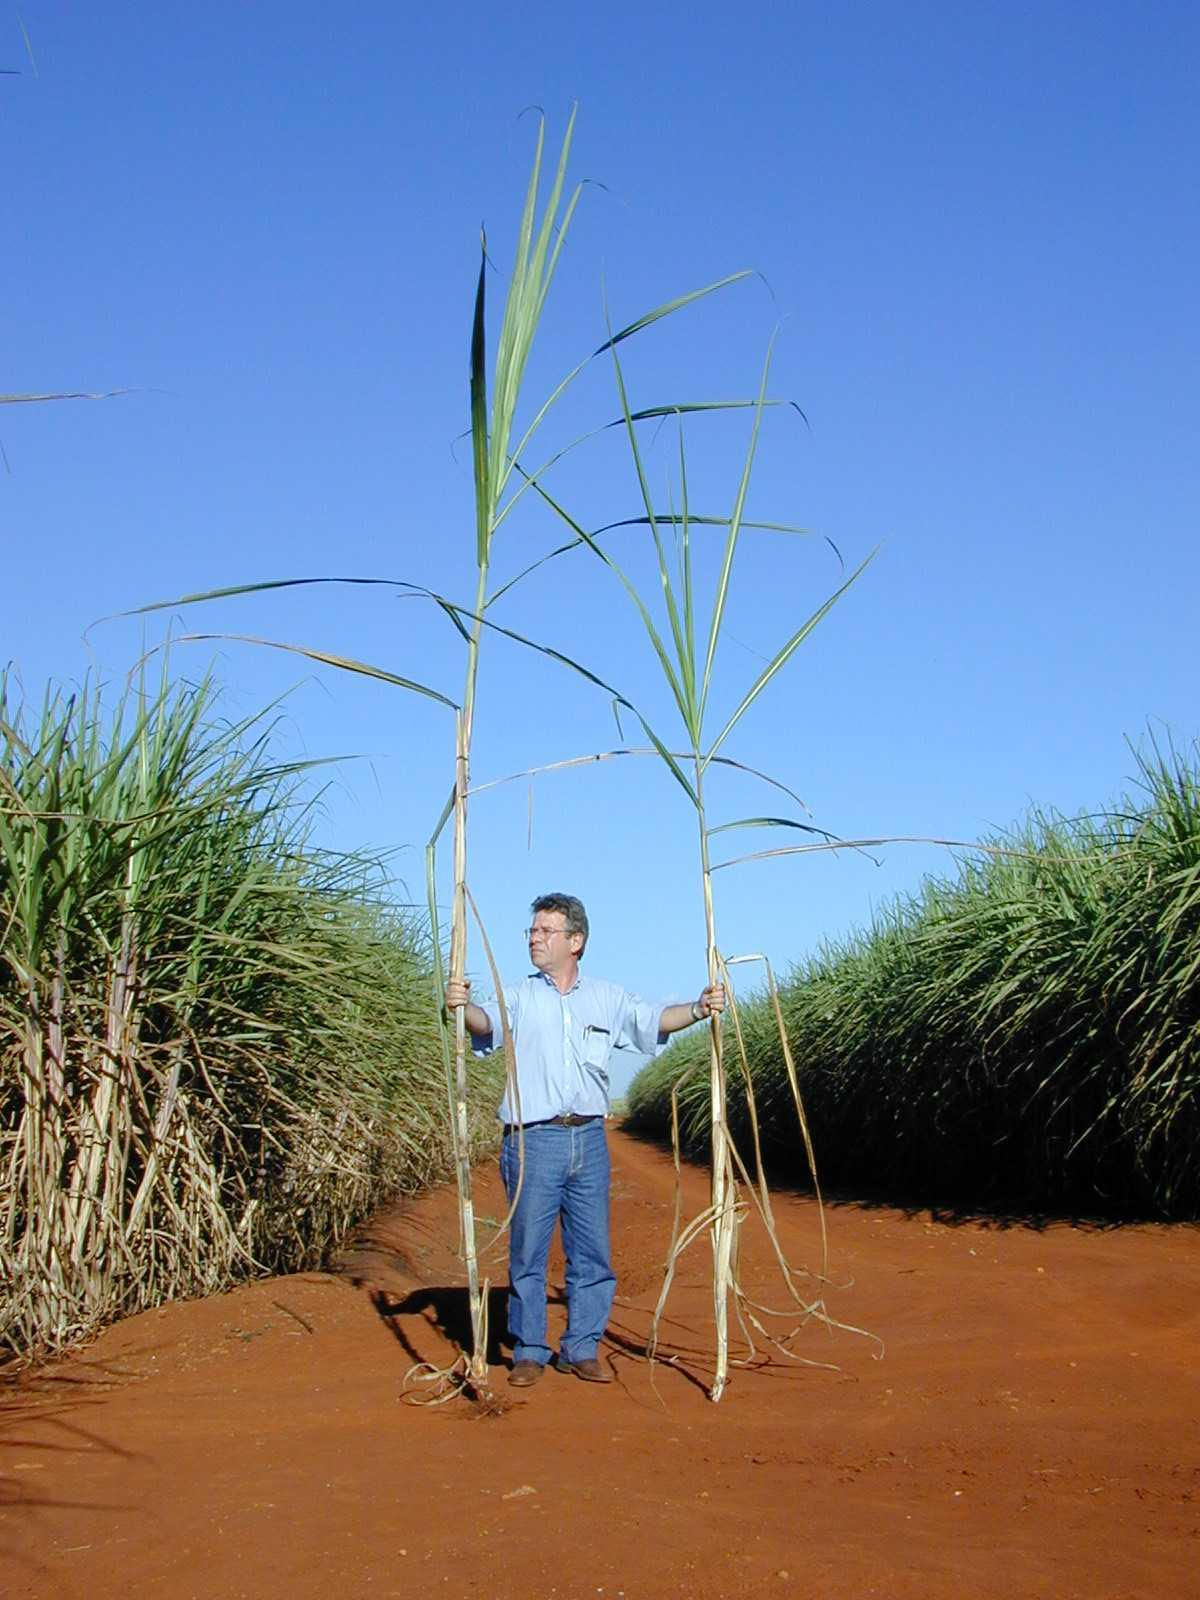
x=589 y=1369
x=524 y=1373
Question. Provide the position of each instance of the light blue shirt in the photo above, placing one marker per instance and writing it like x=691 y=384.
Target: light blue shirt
x=563 y=1042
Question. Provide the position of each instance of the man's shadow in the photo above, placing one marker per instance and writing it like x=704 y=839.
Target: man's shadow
x=449 y=1311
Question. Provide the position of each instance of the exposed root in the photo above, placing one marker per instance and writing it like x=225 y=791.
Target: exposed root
x=744 y=1193
x=455 y=1382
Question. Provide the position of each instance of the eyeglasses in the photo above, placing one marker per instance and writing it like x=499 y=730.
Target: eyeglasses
x=546 y=933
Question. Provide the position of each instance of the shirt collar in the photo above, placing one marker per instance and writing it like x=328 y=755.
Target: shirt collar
x=547 y=979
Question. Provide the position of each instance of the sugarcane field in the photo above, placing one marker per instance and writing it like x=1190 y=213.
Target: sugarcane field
x=600 y=805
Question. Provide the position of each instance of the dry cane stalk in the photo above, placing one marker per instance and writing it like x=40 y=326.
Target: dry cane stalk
x=477 y=1369
x=44 y=1152
x=101 y=1149
x=724 y=1188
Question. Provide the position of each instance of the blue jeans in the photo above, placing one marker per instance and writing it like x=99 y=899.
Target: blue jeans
x=566 y=1175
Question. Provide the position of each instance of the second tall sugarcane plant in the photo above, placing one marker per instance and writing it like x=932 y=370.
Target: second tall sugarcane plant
x=688 y=671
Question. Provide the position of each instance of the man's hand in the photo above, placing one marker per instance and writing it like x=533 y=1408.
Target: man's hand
x=458 y=994
x=712 y=1000
x=710 y=1004
x=458 y=998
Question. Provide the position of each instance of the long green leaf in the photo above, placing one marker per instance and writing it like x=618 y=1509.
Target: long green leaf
x=683 y=677
x=646 y=414
x=684 y=523
x=783 y=655
x=530 y=284
x=650 y=318
x=327 y=658
x=768 y=822
x=458 y=615
x=669 y=307
x=75 y=394
x=584 y=672
x=647 y=620
x=893 y=838
x=479 y=416
x=235 y=589
x=612 y=755
x=694 y=518
x=735 y=523
x=511 y=323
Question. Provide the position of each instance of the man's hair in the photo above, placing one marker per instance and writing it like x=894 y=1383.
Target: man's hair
x=572 y=910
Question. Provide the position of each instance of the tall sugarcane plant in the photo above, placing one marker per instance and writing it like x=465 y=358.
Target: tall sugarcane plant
x=687 y=655
x=539 y=245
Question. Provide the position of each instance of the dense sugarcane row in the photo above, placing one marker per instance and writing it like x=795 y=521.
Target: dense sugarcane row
x=217 y=1043
x=1025 y=1035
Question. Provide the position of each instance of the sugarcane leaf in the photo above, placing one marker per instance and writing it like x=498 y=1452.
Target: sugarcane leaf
x=457 y=615
x=479 y=419
x=647 y=414
x=73 y=394
x=684 y=523
x=506 y=356
x=894 y=838
x=545 y=260
x=584 y=672
x=768 y=822
x=669 y=307
x=785 y=654
x=650 y=318
x=528 y=288
x=446 y=813
x=682 y=683
x=672 y=764
x=647 y=620
x=694 y=519
x=735 y=522
x=326 y=658
x=235 y=589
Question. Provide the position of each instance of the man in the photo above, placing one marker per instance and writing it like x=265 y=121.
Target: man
x=564 y=1029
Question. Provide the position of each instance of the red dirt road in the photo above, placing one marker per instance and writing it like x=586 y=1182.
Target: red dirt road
x=1033 y=1430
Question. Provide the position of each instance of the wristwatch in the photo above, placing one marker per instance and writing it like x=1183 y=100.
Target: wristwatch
x=697 y=1014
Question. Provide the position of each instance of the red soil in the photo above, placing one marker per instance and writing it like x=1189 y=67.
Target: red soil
x=1033 y=1430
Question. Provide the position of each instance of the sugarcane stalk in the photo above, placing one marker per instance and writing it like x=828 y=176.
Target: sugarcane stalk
x=723 y=1187
x=476 y=1293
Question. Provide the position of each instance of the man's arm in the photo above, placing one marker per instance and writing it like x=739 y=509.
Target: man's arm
x=675 y=1018
x=458 y=997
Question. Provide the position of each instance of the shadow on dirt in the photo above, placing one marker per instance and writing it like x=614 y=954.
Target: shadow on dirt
x=448 y=1310
x=39 y=1421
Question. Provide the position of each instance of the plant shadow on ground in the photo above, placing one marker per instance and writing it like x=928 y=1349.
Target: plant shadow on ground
x=926 y=1200
x=35 y=1404
x=449 y=1311
x=383 y=1257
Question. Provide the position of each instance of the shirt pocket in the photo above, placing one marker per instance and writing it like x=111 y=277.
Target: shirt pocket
x=597 y=1046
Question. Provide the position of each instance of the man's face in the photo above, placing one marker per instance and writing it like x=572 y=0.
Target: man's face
x=550 y=945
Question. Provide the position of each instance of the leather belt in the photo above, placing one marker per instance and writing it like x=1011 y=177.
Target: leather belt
x=570 y=1119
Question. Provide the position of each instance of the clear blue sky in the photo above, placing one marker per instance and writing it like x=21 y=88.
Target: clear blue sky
x=978 y=225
